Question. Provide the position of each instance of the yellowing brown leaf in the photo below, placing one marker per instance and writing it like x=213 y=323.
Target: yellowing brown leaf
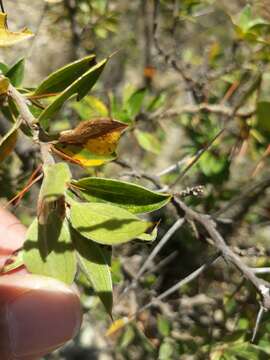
x=91 y=143
x=9 y=38
x=91 y=129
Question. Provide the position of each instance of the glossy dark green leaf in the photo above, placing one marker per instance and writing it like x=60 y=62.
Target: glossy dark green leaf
x=106 y=224
x=135 y=198
x=94 y=264
x=63 y=77
x=16 y=73
x=48 y=249
x=81 y=86
x=55 y=182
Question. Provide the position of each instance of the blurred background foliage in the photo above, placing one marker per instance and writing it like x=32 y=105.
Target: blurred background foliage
x=183 y=71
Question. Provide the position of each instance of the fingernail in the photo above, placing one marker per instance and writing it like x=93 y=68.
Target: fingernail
x=37 y=315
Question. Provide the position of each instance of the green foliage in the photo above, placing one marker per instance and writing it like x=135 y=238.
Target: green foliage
x=80 y=86
x=249 y=28
x=16 y=73
x=210 y=72
x=59 y=80
x=94 y=264
x=148 y=141
x=48 y=249
x=106 y=224
x=135 y=198
x=56 y=179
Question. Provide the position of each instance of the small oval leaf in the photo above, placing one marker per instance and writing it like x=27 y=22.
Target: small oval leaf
x=106 y=224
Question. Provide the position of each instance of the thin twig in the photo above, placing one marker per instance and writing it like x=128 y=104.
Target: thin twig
x=134 y=172
x=262 y=286
x=176 y=226
x=258 y=322
x=262 y=270
x=174 y=167
x=190 y=83
x=217 y=109
x=152 y=255
x=180 y=284
x=197 y=157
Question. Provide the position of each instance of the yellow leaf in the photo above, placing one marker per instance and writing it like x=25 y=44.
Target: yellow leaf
x=117 y=325
x=9 y=38
x=91 y=143
x=104 y=145
x=80 y=155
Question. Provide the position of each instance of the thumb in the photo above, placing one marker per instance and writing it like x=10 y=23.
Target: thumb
x=37 y=313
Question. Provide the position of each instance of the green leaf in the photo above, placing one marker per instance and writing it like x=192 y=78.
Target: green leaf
x=213 y=165
x=90 y=107
x=93 y=263
x=134 y=198
x=263 y=111
x=3 y=68
x=81 y=86
x=165 y=351
x=148 y=141
x=63 y=77
x=127 y=337
x=48 y=249
x=135 y=102
x=149 y=237
x=248 y=27
x=16 y=73
x=56 y=178
x=106 y=224
x=246 y=351
x=163 y=326
x=244 y=18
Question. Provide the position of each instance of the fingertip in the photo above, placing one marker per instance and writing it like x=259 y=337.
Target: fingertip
x=38 y=314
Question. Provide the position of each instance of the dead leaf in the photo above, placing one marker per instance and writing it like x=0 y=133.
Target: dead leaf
x=91 y=143
x=91 y=129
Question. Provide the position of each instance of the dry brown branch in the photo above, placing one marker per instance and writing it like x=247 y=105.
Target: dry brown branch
x=217 y=109
x=262 y=286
